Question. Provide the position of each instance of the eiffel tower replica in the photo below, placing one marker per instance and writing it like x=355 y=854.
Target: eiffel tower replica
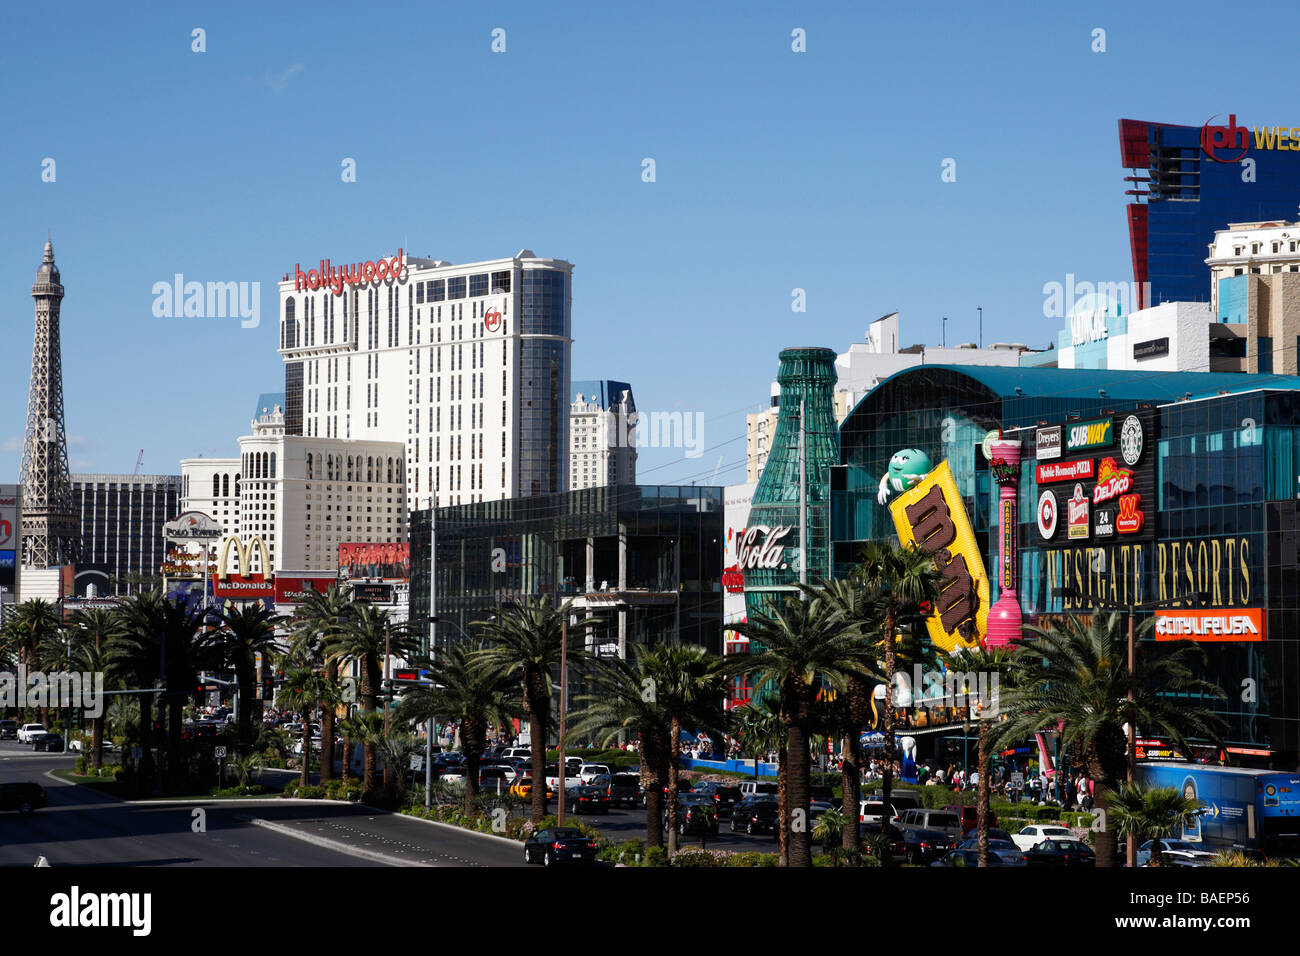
x=50 y=535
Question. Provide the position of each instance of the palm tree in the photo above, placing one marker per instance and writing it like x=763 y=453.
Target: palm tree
x=799 y=649
x=318 y=618
x=159 y=634
x=365 y=727
x=303 y=689
x=990 y=668
x=901 y=581
x=688 y=682
x=26 y=628
x=364 y=635
x=396 y=750
x=97 y=628
x=1076 y=676
x=853 y=601
x=524 y=645
x=471 y=697
x=830 y=825
x=134 y=659
x=247 y=629
x=1138 y=812
x=758 y=727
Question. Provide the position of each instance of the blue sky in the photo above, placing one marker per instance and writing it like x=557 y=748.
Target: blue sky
x=774 y=171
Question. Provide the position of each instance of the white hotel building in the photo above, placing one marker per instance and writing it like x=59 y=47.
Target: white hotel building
x=467 y=367
x=302 y=496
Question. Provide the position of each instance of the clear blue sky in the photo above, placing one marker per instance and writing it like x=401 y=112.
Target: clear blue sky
x=775 y=170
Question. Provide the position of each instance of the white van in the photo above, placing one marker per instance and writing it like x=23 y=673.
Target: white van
x=751 y=788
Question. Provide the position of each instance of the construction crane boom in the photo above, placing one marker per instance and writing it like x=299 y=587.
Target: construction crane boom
x=139 y=460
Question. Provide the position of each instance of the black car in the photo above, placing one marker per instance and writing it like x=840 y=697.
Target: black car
x=725 y=797
x=964 y=858
x=555 y=845
x=625 y=789
x=23 y=796
x=8 y=730
x=590 y=800
x=1061 y=853
x=925 y=846
x=754 y=815
x=874 y=833
x=697 y=818
x=52 y=743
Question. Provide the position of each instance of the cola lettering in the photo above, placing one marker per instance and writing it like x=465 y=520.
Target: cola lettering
x=766 y=553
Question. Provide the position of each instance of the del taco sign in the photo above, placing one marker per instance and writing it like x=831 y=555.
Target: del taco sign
x=931 y=515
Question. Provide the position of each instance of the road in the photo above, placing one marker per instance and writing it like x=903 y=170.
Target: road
x=82 y=827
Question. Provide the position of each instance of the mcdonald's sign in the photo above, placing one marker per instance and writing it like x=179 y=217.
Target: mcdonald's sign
x=244 y=585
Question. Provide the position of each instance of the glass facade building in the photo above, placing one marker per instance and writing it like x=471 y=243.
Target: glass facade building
x=543 y=382
x=1182 y=196
x=647 y=560
x=1226 y=461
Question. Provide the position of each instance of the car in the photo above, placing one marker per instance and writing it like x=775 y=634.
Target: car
x=625 y=790
x=945 y=820
x=8 y=729
x=815 y=809
x=697 y=818
x=1034 y=834
x=970 y=817
x=1005 y=850
x=81 y=745
x=23 y=796
x=1176 y=853
x=26 y=731
x=521 y=753
x=315 y=745
x=872 y=834
x=589 y=800
x=1058 y=852
x=589 y=771
x=495 y=779
x=822 y=793
x=870 y=811
x=962 y=858
x=52 y=743
x=554 y=845
x=752 y=788
x=925 y=846
x=725 y=796
x=524 y=788
x=755 y=814
x=571 y=780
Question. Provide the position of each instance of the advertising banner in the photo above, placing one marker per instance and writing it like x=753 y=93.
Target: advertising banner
x=10 y=519
x=1238 y=624
x=294 y=590
x=361 y=561
x=931 y=515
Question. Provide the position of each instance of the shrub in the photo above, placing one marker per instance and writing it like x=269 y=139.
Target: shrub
x=656 y=856
x=80 y=766
x=694 y=856
x=750 y=858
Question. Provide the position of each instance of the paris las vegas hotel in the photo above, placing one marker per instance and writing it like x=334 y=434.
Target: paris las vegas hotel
x=456 y=376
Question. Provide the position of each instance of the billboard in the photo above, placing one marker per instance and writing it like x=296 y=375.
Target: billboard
x=247 y=585
x=10 y=518
x=931 y=515
x=360 y=561
x=295 y=589
x=1240 y=624
x=373 y=593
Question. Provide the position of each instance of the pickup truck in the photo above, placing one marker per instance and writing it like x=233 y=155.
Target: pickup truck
x=28 y=732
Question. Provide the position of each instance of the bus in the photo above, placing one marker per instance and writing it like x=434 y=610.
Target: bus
x=1241 y=808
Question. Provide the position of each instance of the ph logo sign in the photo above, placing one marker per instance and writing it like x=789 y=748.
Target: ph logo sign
x=1225 y=144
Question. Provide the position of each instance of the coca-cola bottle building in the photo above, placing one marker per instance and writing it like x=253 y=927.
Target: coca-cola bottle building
x=771 y=549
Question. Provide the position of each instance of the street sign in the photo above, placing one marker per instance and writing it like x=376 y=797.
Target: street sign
x=219 y=752
x=1017 y=781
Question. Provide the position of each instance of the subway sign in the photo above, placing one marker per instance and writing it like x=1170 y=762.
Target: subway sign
x=1084 y=435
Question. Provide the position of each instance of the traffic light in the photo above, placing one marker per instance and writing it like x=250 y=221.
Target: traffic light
x=386 y=690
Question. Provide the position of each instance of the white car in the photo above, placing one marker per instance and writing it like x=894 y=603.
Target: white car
x=588 y=772
x=1034 y=834
x=1176 y=853
x=77 y=745
x=27 y=731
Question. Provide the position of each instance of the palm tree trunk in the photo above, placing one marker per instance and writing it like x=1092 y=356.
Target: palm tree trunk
x=982 y=798
x=305 y=779
x=97 y=742
x=851 y=768
x=783 y=800
x=654 y=772
x=367 y=745
x=327 y=728
x=347 y=760
x=675 y=750
x=146 y=768
x=245 y=676
x=176 y=770
x=473 y=735
x=799 y=850
x=1104 y=840
x=891 y=664
x=538 y=705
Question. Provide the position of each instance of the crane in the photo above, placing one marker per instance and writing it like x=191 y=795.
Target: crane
x=139 y=460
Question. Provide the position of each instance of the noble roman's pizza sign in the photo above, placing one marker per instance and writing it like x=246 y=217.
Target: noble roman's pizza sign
x=1065 y=471
x=931 y=515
